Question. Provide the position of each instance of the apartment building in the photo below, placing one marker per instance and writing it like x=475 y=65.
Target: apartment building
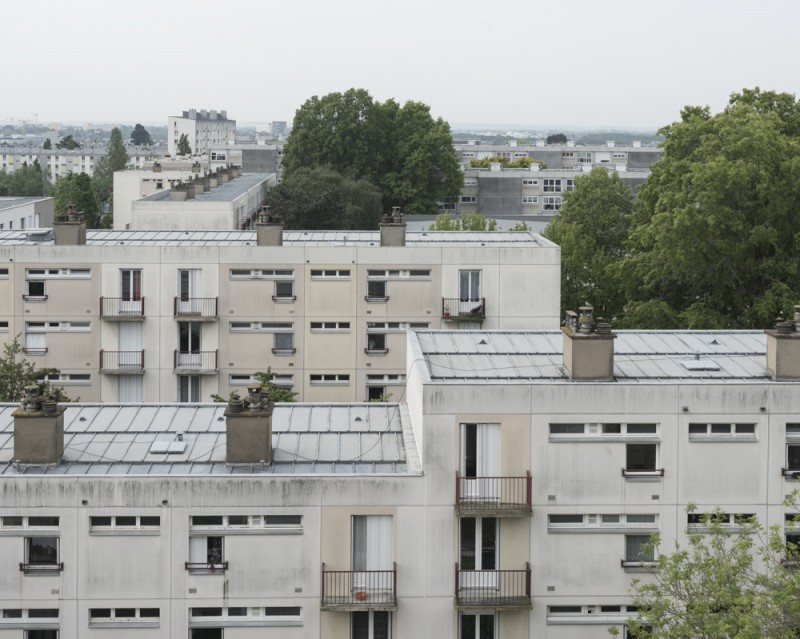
x=155 y=316
x=202 y=129
x=511 y=495
x=26 y=212
x=59 y=163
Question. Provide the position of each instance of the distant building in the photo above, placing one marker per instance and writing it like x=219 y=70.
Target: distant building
x=25 y=212
x=202 y=129
x=59 y=162
x=279 y=129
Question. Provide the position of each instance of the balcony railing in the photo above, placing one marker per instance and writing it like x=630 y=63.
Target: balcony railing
x=359 y=589
x=195 y=363
x=458 y=310
x=643 y=473
x=497 y=589
x=41 y=569
x=196 y=308
x=117 y=309
x=28 y=350
x=206 y=567
x=494 y=496
x=122 y=362
x=791 y=473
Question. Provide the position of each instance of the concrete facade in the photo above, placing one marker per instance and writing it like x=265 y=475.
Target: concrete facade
x=26 y=212
x=202 y=128
x=60 y=162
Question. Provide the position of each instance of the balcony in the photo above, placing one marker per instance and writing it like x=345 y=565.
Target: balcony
x=122 y=362
x=458 y=310
x=495 y=589
x=41 y=568
x=195 y=363
x=494 y=496
x=196 y=309
x=348 y=590
x=206 y=567
x=117 y=309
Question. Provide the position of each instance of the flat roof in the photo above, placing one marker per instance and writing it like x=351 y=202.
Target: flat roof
x=290 y=238
x=225 y=192
x=504 y=356
x=11 y=201
x=307 y=439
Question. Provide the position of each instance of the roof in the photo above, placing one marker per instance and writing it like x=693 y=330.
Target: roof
x=12 y=201
x=225 y=192
x=307 y=439
x=290 y=238
x=639 y=356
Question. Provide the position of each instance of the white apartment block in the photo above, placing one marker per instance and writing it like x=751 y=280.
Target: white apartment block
x=510 y=496
x=202 y=129
x=25 y=212
x=155 y=316
x=59 y=163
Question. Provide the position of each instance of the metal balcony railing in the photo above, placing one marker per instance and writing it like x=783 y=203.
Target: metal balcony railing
x=458 y=310
x=359 y=589
x=194 y=363
x=497 y=589
x=41 y=568
x=206 y=567
x=494 y=496
x=122 y=362
x=196 y=308
x=117 y=309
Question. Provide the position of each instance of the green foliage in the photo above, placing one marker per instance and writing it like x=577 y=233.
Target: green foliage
x=556 y=138
x=16 y=375
x=47 y=144
x=466 y=222
x=519 y=163
x=322 y=199
x=76 y=189
x=27 y=181
x=276 y=393
x=115 y=159
x=520 y=226
x=382 y=398
x=714 y=234
x=591 y=229
x=402 y=150
x=722 y=584
x=184 y=148
x=68 y=143
x=140 y=136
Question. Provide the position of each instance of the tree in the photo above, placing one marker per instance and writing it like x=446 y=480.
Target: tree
x=504 y=162
x=722 y=584
x=76 y=189
x=16 y=375
x=68 y=143
x=402 y=150
x=276 y=393
x=27 y=181
x=183 y=145
x=47 y=144
x=467 y=222
x=322 y=199
x=591 y=228
x=115 y=159
x=714 y=232
x=556 y=138
x=140 y=136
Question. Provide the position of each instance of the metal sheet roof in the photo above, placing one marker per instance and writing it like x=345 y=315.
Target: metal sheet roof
x=124 y=439
x=530 y=356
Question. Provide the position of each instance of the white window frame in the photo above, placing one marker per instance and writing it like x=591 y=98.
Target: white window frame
x=114 y=621
x=604 y=431
x=330 y=274
x=530 y=199
x=552 y=185
x=58 y=273
x=270 y=524
x=260 y=274
x=530 y=182
x=468 y=199
x=329 y=327
x=254 y=616
x=329 y=379
x=604 y=523
x=728 y=521
x=114 y=528
x=552 y=203
x=736 y=432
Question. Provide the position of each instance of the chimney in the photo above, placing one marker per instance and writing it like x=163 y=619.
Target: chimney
x=269 y=228
x=588 y=346
x=156 y=167
x=38 y=429
x=70 y=229
x=393 y=228
x=783 y=348
x=248 y=427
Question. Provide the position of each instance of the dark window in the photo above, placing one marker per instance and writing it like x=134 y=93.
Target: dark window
x=284 y=289
x=640 y=457
x=639 y=548
x=43 y=521
x=378 y=620
x=150 y=613
x=376 y=290
x=35 y=289
x=793 y=456
x=282 y=611
x=151 y=521
x=282 y=520
x=376 y=341
x=206 y=633
x=375 y=393
x=43 y=613
x=42 y=550
x=126 y=521
x=207 y=520
x=567 y=429
x=238 y=520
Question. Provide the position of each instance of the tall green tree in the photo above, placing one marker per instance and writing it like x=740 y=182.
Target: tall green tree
x=184 y=148
x=76 y=189
x=47 y=144
x=16 y=373
x=714 y=234
x=140 y=136
x=722 y=583
x=591 y=228
x=321 y=198
x=115 y=159
x=68 y=143
x=402 y=150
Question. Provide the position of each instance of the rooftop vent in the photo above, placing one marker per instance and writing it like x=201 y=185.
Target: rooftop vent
x=248 y=427
x=588 y=346
x=393 y=228
x=269 y=228
x=783 y=347
x=38 y=428
x=69 y=229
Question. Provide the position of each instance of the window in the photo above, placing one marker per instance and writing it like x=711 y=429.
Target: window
x=144 y=617
x=638 y=549
x=468 y=199
x=131 y=285
x=41 y=633
x=480 y=462
x=584 y=157
x=3 y=327
x=376 y=291
x=469 y=286
x=69 y=379
x=35 y=342
x=189 y=338
x=530 y=199
x=570 y=184
x=247 y=616
x=284 y=291
x=265 y=274
x=552 y=185
x=792 y=469
x=595 y=431
x=376 y=343
x=283 y=344
x=330 y=274
x=282 y=380
x=478 y=538
x=329 y=378
x=470 y=181
x=373 y=624
x=189 y=388
x=601 y=523
x=530 y=182
x=206 y=555
x=3 y=271
x=57 y=273
x=372 y=548
x=124 y=524
x=266 y=327
x=34 y=291
x=41 y=555
x=330 y=327
x=641 y=459
x=588 y=614
x=700 y=522
x=552 y=203
x=477 y=625
x=269 y=524
x=722 y=432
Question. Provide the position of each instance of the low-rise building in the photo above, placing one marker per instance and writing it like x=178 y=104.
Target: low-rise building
x=26 y=212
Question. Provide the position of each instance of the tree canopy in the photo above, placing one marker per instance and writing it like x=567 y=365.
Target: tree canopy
x=115 y=159
x=68 y=143
x=321 y=198
x=519 y=163
x=591 y=229
x=27 y=181
x=76 y=189
x=140 y=136
x=556 y=138
x=16 y=374
x=184 y=148
x=402 y=150
x=47 y=145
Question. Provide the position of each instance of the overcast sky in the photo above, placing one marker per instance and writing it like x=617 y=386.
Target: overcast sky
x=614 y=63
